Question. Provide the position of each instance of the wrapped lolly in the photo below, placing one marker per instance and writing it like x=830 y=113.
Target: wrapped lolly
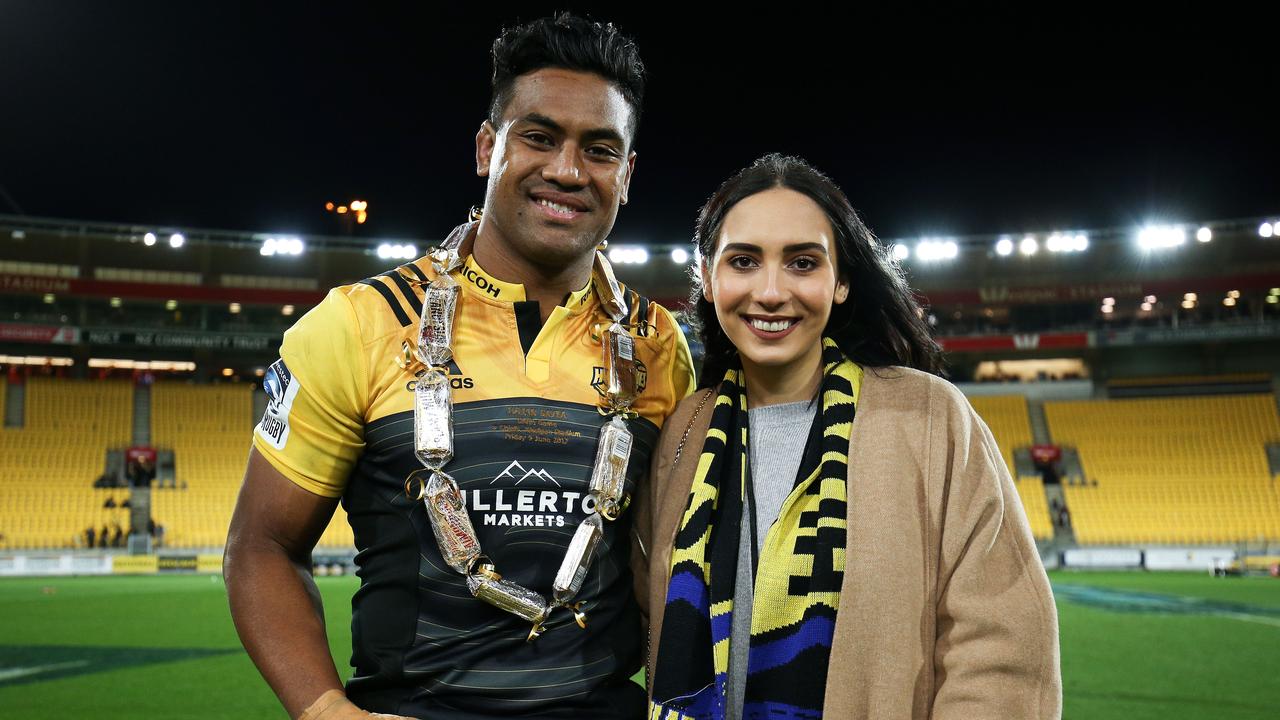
x=433 y=419
x=577 y=559
x=619 y=367
x=607 y=288
x=449 y=521
x=609 y=475
x=508 y=596
x=435 y=332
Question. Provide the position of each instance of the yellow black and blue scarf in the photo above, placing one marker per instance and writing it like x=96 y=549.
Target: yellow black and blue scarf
x=798 y=577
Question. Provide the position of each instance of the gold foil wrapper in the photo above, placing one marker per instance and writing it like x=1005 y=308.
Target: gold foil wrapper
x=508 y=596
x=449 y=521
x=435 y=330
x=577 y=559
x=433 y=419
x=619 y=367
x=608 y=289
x=609 y=476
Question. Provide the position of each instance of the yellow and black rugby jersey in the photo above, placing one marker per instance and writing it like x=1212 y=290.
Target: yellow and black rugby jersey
x=339 y=422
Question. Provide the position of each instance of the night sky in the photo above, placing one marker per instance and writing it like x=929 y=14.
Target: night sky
x=250 y=116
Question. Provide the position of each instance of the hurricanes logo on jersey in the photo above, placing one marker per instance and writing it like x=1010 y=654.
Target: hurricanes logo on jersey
x=642 y=378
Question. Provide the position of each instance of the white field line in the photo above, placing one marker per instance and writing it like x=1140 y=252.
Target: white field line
x=18 y=672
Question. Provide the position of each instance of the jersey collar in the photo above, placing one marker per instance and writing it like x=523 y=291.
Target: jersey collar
x=476 y=279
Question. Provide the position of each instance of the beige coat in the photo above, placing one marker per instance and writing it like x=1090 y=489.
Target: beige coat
x=945 y=611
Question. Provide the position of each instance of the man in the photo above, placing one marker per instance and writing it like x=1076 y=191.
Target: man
x=527 y=396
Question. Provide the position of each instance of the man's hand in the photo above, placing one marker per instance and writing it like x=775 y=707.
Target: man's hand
x=334 y=705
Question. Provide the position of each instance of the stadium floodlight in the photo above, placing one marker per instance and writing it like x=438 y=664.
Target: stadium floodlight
x=396 y=251
x=929 y=250
x=1108 y=309
x=176 y=240
x=1028 y=246
x=1149 y=299
x=287 y=310
x=228 y=372
x=1266 y=230
x=149 y=239
x=282 y=246
x=1067 y=242
x=901 y=252
x=1233 y=294
x=628 y=255
x=1273 y=299
x=1161 y=237
x=116 y=302
x=1192 y=297
x=1109 y=301
x=1204 y=234
x=679 y=256
x=1004 y=247
x=170 y=304
x=49 y=298
x=1229 y=301
x=1146 y=307
x=1188 y=304
x=234 y=308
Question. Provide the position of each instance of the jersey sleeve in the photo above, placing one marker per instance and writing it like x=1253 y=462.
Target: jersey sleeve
x=317 y=392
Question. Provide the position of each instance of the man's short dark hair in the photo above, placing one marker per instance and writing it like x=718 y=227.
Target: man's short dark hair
x=573 y=43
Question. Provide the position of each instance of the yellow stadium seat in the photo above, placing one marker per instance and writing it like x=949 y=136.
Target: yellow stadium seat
x=1171 y=470
x=1006 y=415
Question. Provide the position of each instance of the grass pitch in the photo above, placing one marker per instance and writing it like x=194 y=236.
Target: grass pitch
x=1134 y=646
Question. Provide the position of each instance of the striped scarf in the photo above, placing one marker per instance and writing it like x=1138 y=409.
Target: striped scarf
x=797 y=584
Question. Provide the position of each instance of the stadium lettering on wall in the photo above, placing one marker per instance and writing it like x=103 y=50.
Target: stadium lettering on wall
x=33 y=284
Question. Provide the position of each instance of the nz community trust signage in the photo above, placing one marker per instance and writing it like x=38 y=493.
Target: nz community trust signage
x=184 y=340
x=69 y=335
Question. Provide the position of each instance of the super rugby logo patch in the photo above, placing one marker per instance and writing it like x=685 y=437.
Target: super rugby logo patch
x=281 y=388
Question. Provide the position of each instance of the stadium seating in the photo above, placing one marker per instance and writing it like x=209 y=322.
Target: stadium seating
x=209 y=429
x=1171 y=470
x=1006 y=415
x=50 y=463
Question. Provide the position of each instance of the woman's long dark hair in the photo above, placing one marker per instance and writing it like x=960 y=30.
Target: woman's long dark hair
x=877 y=326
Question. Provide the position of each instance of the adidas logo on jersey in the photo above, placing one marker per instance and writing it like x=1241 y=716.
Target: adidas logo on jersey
x=455 y=381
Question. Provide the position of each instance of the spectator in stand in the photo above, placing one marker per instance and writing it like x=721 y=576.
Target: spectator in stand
x=132 y=472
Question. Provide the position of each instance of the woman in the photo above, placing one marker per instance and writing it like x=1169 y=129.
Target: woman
x=833 y=531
